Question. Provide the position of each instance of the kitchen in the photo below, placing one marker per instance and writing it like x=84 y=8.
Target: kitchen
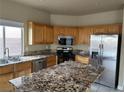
x=52 y=26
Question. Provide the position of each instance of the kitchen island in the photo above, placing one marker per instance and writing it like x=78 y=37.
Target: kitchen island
x=69 y=76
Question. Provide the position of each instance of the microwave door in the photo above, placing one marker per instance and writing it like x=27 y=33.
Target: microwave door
x=69 y=41
x=62 y=41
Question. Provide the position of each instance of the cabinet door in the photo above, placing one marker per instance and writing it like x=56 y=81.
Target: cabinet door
x=114 y=29
x=101 y=29
x=84 y=60
x=22 y=73
x=84 y=35
x=49 y=35
x=5 y=86
x=51 y=61
x=6 y=69
x=23 y=69
x=36 y=33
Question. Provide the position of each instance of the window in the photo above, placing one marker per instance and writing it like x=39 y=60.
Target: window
x=12 y=38
x=1 y=41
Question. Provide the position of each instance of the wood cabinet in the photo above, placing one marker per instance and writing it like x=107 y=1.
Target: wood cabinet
x=51 y=60
x=49 y=35
x=86 y=31
x=114 y=28
x=39 y=33
x=46 y=34
x=108 y=29
x=82 y=59
x=9 y=72
x=22 y=69
x=6 y=74
x=65 y=31
x=100 y=29
x=84 y=35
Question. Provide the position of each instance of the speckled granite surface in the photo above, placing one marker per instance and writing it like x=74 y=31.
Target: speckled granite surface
x=66 y=77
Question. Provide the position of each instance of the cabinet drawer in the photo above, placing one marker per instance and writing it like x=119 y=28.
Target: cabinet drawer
x=23 y=66
x=6 y=69
x=82 y=59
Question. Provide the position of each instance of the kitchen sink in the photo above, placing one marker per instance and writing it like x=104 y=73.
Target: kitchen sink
x=4 y=61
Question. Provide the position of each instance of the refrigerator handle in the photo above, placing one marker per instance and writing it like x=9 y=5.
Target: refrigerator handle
x=102 y=46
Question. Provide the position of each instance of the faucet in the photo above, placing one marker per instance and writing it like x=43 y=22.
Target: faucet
x=6 y=49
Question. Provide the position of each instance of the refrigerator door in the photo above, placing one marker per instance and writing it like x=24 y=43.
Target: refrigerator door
x=109 y=59
x=95 y=52
x=95 y=41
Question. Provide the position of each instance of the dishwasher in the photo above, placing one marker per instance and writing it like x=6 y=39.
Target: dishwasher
x=39 y=64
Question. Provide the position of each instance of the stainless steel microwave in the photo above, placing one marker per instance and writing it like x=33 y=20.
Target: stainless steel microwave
x=65 y=40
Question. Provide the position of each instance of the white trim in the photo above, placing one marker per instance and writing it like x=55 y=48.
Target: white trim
x=4 y=41
x=10 y=23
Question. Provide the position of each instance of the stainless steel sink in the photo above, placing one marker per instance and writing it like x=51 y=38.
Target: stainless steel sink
x=14 y=58
x=4 y=61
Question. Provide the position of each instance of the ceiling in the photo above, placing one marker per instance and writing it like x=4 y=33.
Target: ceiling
x=73 y=7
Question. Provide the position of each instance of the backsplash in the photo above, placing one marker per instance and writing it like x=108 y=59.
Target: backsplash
x=75 y=47
x=51 y=49
x=39 y=52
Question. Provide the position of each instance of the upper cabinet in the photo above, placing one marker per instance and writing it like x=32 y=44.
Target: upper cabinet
x=114 y=28
x=39 y=33
x=108 y=29
x=100 y=29
x=49 y=35
x=84 y=35
x=46 y=34
x=86 y=31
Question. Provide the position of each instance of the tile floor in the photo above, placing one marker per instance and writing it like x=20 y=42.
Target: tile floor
x=100 y=88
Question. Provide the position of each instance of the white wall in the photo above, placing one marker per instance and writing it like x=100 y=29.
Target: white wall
x=20 y=13
x=101 y=18
x=64 y=20
x=91 y=19
x=121 y=73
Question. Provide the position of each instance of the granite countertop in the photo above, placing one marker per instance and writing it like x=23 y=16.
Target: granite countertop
x=69 y=76
x=14 y=60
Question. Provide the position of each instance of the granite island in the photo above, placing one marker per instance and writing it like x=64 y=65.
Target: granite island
x=69 y=76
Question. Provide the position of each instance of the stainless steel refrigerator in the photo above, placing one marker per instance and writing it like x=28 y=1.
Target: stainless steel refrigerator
x=105 y=51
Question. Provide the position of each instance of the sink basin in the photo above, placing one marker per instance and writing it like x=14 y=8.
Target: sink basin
x=4 y=61
x=14 y=58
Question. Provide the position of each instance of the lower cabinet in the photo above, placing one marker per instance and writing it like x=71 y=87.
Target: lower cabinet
x=82 y=59
x=6 y=74
x=13 y=71
x=22 y=69
x=51 y=60
x=5 y=86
